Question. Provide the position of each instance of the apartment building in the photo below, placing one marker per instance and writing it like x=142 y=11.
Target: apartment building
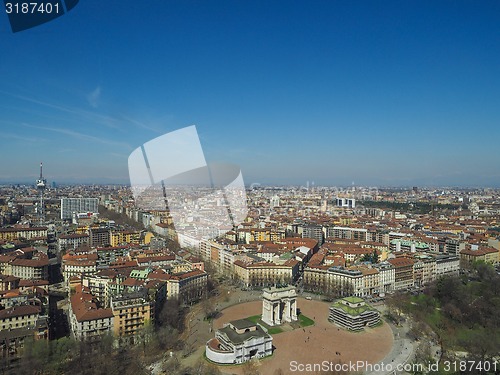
x=10 y=234
x=8 y=282
x=387 y=276
x=225 y=263
x=131 y=311
x=187 y=287
x=447 y=265
x=403 y=272
x=347 y=233
x=266 y=273
x=31 y=269
x=99 y=237
x=98 y=284
x=78 y=265
x=19 y=323
x=451 y=245
x=72 y=241
x=345 y=202
x=476 y=253
x=220 y=256
x=110 y=254
x=424 y=269
x=36 y=268
x=315 y=278
x=87 y=320
x=70 y=206
x=167 y=230
x=19 y=317
x=346 y=281
x=406 y=245
x=118 y=238
x=196 y=263
x=371 y=281
x=313 y=231
x=156 y=260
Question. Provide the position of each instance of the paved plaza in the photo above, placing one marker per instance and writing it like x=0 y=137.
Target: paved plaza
x=314 y=344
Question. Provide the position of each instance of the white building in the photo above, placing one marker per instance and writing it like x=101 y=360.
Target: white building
x=345 y=202
x=447 y=265
x=387 y=276
x=239 y=341
x=72 y=241
x=69 y=206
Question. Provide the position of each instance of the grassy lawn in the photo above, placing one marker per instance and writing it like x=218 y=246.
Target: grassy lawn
x=254 y=319
x=304 y=321
x=274 y=330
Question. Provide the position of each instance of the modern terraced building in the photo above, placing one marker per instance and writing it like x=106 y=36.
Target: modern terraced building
x=353 y=314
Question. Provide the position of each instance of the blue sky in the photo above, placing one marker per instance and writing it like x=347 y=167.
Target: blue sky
x=375 y=92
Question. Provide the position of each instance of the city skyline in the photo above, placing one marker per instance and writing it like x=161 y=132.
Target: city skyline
x=387 y=95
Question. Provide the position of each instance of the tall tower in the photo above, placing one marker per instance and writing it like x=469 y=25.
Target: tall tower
x=41 y=184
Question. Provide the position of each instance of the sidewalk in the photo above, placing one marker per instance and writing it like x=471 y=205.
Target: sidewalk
x=403 y=350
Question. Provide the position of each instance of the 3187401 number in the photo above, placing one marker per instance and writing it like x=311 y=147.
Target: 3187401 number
x=32 y=8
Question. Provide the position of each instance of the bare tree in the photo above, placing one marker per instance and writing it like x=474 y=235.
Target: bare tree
x=250 y=368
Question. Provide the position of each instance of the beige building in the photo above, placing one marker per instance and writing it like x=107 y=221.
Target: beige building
x=78 y=265
x=187 y=287
x=98 y=284
x=266 y=273
x=479 y=253
x=36 y=268
x=19 y=323
x=220 y=256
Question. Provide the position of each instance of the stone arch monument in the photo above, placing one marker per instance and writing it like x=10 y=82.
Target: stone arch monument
x=279 y=305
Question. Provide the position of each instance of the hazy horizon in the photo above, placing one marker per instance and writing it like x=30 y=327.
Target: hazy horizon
x=388 y=94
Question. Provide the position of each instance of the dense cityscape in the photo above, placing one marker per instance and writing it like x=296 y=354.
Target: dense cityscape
x=82 y=263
